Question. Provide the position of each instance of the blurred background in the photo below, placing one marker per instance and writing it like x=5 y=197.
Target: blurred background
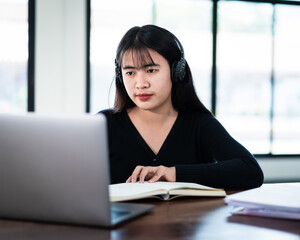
x=57 y=56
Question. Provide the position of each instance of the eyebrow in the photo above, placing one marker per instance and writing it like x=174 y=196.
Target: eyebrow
x=144 y=66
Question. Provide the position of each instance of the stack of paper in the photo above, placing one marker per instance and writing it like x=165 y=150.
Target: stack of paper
x=279 y=200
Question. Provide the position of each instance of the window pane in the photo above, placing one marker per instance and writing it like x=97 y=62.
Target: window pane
x=190 y=21
x=108 y=24
x=244 y=68
x=287 y=81
x=14 y=55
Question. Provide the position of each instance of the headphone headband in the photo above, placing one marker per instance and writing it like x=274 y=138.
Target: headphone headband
x=178 y=68
x=178 y=44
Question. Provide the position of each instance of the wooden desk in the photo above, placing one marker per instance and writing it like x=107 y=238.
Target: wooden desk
x=189 y=218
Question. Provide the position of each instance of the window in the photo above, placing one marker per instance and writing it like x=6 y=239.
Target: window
x=14 y=55
x=244 y=60
x=108 y=25
x=258 y=84
x=286 y=126
x=257 y=94
x=193 y=31
x=190 y=21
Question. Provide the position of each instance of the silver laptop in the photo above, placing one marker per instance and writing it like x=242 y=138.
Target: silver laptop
x=56 y=169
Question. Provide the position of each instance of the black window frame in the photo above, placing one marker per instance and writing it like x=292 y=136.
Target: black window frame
x=31 y=52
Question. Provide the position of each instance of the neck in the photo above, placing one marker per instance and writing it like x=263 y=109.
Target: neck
x=153 y=116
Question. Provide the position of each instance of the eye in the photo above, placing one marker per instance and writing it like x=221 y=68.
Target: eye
x=152 y=70
x=129 y=73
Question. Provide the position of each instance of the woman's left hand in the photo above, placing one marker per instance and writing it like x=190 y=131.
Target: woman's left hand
x=152 y=174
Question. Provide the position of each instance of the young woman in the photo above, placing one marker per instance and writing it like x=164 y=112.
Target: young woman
x=159 y=130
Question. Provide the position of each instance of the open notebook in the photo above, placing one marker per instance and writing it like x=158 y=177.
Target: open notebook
x=162 y=190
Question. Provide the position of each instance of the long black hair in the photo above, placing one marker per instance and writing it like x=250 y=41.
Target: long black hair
x=138 y=41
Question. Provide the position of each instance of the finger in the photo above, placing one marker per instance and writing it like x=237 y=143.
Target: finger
x=144 y=173
x=147 y=173
x=136 y=173
x=158 y=174
x=128 y=180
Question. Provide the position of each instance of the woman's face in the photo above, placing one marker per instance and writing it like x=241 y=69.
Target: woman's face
x=149 y=86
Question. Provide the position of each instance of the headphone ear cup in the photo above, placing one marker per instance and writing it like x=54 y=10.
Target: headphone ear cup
x=118 y=72
x=119 y=75
x=178 y=70
x=119 y=79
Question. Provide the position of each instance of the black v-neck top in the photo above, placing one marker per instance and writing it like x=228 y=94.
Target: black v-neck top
x=197 y=145
x=143 y=143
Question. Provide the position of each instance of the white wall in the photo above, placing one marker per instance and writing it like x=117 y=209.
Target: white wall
x=281 y=169
x=60 y=56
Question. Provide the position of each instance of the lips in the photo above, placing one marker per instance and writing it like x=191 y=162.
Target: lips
x=144 y=96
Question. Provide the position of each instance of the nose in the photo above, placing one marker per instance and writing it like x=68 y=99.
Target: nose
x=142 y=82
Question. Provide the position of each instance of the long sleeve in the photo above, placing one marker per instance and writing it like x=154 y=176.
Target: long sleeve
x=227 y=164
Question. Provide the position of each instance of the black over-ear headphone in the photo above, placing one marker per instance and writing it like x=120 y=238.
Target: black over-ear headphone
x=178 y=69
x=118 y=72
